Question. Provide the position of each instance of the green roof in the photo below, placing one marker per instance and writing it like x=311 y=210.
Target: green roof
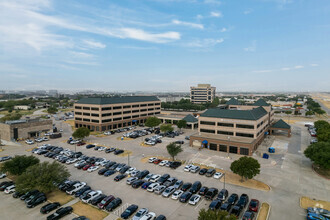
x=260 y=102
x=233 y=101
x=190 y=118
x=117 y=100
x=281 y=124
x=253 y=114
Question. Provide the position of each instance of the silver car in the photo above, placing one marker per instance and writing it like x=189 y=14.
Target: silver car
x=140 y=214
x=168 y=191
x=130 y=180
x=160 y=189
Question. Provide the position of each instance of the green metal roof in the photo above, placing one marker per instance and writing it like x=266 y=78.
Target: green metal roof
x=190 y=118
x=253 y=114
x=281 y=124
x=260 y=102
x=233 y=101
x=117 y=100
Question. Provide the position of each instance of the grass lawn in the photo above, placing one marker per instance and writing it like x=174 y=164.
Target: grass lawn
x=90 y=212
x=59 y=196
x=264 y=210
x=71 y=123
x=306 y=202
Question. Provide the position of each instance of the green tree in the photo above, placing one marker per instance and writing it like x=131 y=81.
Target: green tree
x=288 y=112
x=42 y=177
x=81 y=133
x=308 y=113
x=320 y=124
x=319 y=111
x=19 y=164
x=166 y=127
x=182 y=124
x=319 y=153
x=52 y=110
x=214 y=215
x=173 y=149
x=246 y=167
x=11 y=117
x=152 y=122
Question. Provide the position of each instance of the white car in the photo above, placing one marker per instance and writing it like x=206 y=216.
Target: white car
x=194 y=169
x=188 y=167
x=148 y=177
x=29 y=142
x=92 y=168
x=72 y=160
x=217 y=175
x=168 y=191
x=177 y=194
x=75 y=188
x=152 y=159
x=142 y=212
x=130 y=170
x=154 y=178
x=45 y=139
x=163 y=162
x=2 y=175
x=99 y=162
x=79 y=163
x=104 y=163
x=10 y=189
x=102 y=148
x=194 y=199
x=135 y=173
x=152 y=187
x=91 y=196
x=130 y=180
x=149 y=216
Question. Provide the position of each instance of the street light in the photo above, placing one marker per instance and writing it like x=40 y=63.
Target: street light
x=228 y=146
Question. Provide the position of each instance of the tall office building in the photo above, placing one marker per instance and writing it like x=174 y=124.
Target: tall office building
x=202 y=93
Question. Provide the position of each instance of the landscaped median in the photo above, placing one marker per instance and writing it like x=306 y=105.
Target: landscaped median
x=71 y=123
x=59 y=196
x=306 y=202
x=264 y=211
x=146 y=159
x=82 y=209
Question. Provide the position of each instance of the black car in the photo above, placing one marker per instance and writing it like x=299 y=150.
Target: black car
x=185 y=196
x=211 y=193
x=110 y=164
x=113 y=204
x=243 y=200
x=68 y=185
x=109 y=173
x=210 y=172
x=85 y=193
x=161 y=217
x=5 y=158
x=28 y=194
x=203 y=191
x=215 y=204
x=248 y=215
x=49 y=207
x=60 y=213
x=97 y=199
x=186 y=186
x=202 y=171
x=119 y=151
x=109 y=150
x=102 y=171
x=195 y=187
x=124 y=169
x=32 y=197
x=36 y=201
x=119 y=177
x=5 y=185
x=233 y=198
x=129 y=211
x=175 y=164
x=236 y=210
x=97 y=147
x=81 y=191
x=113 y=167
x=179 y=142
x=142 y=174
x=17 y=194
x=137 y=183
x=163 y=178
x=226 y=206
x=223 y=194
x=90 y=146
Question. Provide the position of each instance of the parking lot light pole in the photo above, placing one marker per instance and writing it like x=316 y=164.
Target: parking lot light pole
x=128 y=159
x=228 y=147
x=224 y=178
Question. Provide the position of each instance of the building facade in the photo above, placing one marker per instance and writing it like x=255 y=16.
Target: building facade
x=238 y=129
x=102 y=114
x=24 y=129
x=203 y=93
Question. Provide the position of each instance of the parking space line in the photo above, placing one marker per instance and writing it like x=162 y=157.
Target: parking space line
x=200 y=202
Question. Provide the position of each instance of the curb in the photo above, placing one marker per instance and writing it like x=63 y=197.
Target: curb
x=268 y=210
x=318 y=173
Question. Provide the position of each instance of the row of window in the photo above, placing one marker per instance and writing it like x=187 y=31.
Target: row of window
x=227 y=124
x=117 y=107
x=115 y=113
x=108 y=127
x=232 y=149
x=226 y=133
x=115 y=119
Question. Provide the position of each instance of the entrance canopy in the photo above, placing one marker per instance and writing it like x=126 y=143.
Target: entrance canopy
x=280 y=125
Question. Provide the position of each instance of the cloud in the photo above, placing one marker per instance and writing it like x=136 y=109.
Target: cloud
x=139 y=48
x=81 y=62
x=223 y=30
x=81 y=54
x=204 y=43
x=94 y=44
x=248 y=11
x=139 y=34
x=213 y=2
x=199 y=17
x=252 y=47
x=285 y=68
x=188 y=24
x=262 y=71
x=298 y=67
x=216 y=14
x=314 y=64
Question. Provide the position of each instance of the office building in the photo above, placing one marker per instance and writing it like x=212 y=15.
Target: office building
x=203 y=93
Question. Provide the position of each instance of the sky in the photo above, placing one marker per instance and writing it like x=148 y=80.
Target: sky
x=165 y=45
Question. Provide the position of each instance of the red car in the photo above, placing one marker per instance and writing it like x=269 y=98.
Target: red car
x=254 y=205
x=157 y=161
x=87 y=166
x=105 y=201
x=81 y=143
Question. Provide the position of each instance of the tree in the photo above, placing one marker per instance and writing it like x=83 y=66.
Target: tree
x=152 y=122
x=321 y=124
x=81 y=133
x=288 y=112
x=181 y=124
x=319 y=153
x=52 y=110
x=166 y=127
x=246 y=167
x=19 y=164
x=173 y=149
x=308 y=113
x=214 y=215
x=319 y=111
x=42 y=177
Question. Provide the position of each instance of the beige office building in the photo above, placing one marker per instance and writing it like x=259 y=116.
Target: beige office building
x=203 y=93
x=108 y=113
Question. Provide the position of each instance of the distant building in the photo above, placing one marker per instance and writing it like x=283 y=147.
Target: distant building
x=53 y=93
x=107 y=113
x=21 y=107
x=203 y=93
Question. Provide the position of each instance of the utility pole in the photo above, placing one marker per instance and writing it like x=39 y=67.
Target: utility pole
x=128 y=159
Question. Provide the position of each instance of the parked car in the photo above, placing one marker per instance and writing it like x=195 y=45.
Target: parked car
x=203 y=191
x=217 y=175
x=137 y=183
x=119 y=177
x=202 y=171
x=2 y=175
x=210 y=172
x=28 y=194
x=82 y=190
x=91 y=195
x=129 y=211
x=109 y=173
x=225 y=206
x=157 y=161
x=152 y=159
x=254 y=205
x=186 y=186
x=113 y=204
x=170 y=181
x=155 y=178
x=152 y=187
x=215 y=204
x=236 y=210
x=159 y=189
x=163 y=163
x=149 y=216
x=49 y=207
x=243 y=200
x=194 y=199
x=140 y=214
x=195 y=169
x=105 y=201
x=10 y=189
x=60 y=213
x=232 y=199
x=185 y=197
x=175 y=164
x=177 y=194
x=178 y=184
x=223 y=194
x=314 y=216
x=161 y=217
x=248 y=215
x=5 y=185
x=130 y=180
x=119 y=151
x=97 y=199
x=195 y=187
x=145 y=185
x=92 y=168
x=148 y=177
x=211 y=193
x=36 y=201
x=188 y=167
x=17 y=194
x=168 y=191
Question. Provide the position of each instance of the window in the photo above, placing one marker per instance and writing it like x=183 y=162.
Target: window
x=104 y=128
x=127 y=106
x=117 y=119
x=207 y=131
x=106 y=114
x=157 y=108
x=86 y=108
x=77 y=107
x=135 y=106
x=106 y=120
x=225 y=124
x=86 y=114
x=244 y=135
x=150 y=113
x=127 y=117
x=207 y=123
x=135 y=116
x=143 y=105
x=157 y=103
x=143 y=115
x=95 y=115
x=78 y=113
x=143 y=110
x=233 y=149
x=94 y=109
x=225 y=132
x=244 y=151
x=78 y=119
x=86 y=119
x=213 y=147
x=157 y=113
x=223 y=148
x=135 y=111
x=116 y=107
x=245 y=126
x=106 y=108
x=117 y=113
x=95 y=121
x=151 y=109
x=126 y=112
x=151 y=104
